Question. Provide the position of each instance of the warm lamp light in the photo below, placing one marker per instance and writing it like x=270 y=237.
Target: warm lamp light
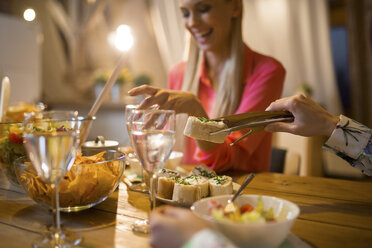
x=29 y=15
x=123 y=38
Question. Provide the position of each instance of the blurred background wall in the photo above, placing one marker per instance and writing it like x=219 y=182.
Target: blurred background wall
x=25 y=69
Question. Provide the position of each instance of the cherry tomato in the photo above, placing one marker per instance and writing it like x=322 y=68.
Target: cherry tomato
x=15 y=138
x=213 y=205
x=246 y=208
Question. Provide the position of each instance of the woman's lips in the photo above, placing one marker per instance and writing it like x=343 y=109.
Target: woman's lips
x=202 y=37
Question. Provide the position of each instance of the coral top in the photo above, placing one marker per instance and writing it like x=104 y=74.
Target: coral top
x=263 y=84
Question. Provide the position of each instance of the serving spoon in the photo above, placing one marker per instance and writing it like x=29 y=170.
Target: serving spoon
x=230 y=207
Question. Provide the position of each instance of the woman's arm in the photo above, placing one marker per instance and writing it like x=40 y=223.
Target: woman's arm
x=179 y=101
x=310 y=118
x=348 y=139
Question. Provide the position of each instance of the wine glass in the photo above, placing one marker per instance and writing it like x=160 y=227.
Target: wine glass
x=153 y=138
x=141 y=186
x=128 y=110
x=51 y=140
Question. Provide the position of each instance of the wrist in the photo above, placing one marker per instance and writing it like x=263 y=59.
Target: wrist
x=332 y=124
x=198 y=110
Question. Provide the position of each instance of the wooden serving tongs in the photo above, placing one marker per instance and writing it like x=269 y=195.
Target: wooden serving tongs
x=254 y=121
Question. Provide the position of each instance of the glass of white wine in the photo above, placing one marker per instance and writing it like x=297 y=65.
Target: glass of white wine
x=153 y=138
x=140 y=186
x=51 y=140
x=128 y=110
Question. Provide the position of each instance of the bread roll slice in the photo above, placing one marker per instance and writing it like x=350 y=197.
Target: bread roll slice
x=190 y=189
x=166 y=179
x=200 y=182
x=220 y=185
x=168 y=173
x=203 y=171
x=186 y=193
x=200 y=128
x=165 y=187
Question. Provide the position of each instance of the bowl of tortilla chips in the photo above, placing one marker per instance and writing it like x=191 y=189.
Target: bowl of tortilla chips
x=89 y=182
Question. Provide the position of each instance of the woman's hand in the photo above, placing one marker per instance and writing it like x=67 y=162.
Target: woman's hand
x=179 y=101
x=173 y=227
x=310 y=119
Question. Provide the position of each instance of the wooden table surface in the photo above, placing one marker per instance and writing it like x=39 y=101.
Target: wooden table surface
x=334 y=213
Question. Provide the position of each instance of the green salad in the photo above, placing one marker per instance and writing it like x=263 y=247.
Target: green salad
x=11 y=148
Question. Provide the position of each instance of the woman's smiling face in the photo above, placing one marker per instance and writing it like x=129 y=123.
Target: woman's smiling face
x=209 y=22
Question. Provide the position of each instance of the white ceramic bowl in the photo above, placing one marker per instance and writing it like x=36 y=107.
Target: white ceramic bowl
x=135 y=165
x=270 y=234
x=174 y=160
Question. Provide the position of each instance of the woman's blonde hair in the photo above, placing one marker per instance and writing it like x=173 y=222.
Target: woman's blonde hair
x=230 y=82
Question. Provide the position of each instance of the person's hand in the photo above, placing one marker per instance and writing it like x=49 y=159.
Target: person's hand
x=310 y=119
x=173 y=227
x=179 y=101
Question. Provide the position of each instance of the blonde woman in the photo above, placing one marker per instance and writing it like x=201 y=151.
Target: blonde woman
x=222 y=76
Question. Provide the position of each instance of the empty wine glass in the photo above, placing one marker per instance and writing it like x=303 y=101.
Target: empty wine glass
x=51 y=140
x=153 y=138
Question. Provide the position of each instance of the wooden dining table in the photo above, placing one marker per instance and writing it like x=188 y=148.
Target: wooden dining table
x=334 y=213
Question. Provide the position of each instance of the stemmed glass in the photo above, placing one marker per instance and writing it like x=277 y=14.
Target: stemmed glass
x=51 y=140
x=128 y=111
x=153 y=138
x=140 y=187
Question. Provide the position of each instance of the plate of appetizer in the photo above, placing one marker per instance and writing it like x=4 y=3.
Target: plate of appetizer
x=183 y=191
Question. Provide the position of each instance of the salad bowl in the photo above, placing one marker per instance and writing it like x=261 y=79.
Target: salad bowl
x=265 y=228
x=11 y=148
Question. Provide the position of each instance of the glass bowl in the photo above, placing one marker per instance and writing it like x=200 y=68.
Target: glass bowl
x=11 y=148
x=16 y=110
x=89 y=181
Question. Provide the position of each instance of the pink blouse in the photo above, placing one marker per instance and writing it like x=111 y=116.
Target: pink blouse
x=263 y=80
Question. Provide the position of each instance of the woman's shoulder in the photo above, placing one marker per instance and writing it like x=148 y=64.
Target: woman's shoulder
x=264 y=62
x=178 y=68
x=175 y=76
x=260 y=69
